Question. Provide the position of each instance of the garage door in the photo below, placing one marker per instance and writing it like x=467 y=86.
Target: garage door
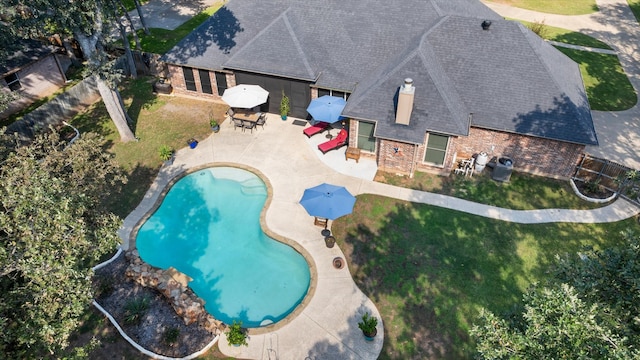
x=299 y=92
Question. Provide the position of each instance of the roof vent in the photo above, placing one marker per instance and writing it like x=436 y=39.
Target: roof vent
x=405 y=102
x=486 y=24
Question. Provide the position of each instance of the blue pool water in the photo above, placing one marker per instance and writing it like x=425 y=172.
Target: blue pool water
x=208 y=227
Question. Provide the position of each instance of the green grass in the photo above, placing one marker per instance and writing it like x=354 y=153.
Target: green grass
x=158 y=121
x=159 y=41
x=608 y=88
x=567 y=36
x=635 y=8
x=130 y=4
x=522 y=192
x=429 y=270
x=561 y=7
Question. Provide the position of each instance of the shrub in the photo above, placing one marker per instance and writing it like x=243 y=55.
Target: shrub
x=170 y=335
x=135 y=309
x=538 y=28
x=165 y=152
x=236 y=335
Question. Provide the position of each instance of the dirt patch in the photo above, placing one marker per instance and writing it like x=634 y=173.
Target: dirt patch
x=158 y=329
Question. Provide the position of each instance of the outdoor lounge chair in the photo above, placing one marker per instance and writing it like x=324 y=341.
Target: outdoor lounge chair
x=338 y=141
x=316 y=128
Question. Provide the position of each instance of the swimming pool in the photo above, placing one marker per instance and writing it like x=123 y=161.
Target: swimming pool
x=208 y=227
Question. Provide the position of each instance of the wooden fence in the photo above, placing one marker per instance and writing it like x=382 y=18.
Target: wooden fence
x=608 y=174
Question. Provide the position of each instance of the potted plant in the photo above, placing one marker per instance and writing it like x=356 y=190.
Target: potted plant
x=236 y=336
x=284 y=106
x=368 y=326
x=214 y=125
x=166 y=153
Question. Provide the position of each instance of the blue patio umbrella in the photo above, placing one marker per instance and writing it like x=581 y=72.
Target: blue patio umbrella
x=327 y=108
x=328 y=201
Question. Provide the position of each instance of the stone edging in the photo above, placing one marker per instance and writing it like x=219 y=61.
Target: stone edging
x=586 y=198
x=130 y=340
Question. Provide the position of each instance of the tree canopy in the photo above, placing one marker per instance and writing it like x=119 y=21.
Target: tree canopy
x=588 y=310
x=89 y=22
x=52 y=229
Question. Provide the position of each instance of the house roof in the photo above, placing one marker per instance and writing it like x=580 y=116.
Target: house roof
x=30 y=51
x=506 y=76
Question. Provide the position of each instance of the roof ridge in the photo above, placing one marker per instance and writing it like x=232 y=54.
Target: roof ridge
x=539 y=56
x=257 y=36
x=297 y=44
x=439 y=76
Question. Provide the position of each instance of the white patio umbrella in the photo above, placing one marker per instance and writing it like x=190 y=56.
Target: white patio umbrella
x=245 y=96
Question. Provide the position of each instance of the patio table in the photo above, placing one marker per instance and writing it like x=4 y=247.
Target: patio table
x=246 y=115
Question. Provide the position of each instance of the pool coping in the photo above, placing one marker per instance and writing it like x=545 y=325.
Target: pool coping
x=263 y=224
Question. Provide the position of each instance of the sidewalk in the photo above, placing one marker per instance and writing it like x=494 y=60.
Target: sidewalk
x=618 y=131
x=326 y=327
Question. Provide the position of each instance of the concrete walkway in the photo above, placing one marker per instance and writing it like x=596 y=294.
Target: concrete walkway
x=326 y=328
x=618 y=131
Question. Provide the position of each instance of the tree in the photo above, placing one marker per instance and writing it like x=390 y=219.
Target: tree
x=610 y=278
x=87 y=21
x=593 y=298
x=52 y=229
x=556 y=324
x=6 y=97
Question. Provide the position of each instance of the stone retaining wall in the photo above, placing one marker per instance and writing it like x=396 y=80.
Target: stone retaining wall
x=174 y=286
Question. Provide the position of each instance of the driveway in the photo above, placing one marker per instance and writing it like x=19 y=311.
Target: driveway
x=618 y=131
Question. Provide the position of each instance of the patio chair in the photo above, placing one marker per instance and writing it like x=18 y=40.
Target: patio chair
x=262 y=119
x=338 y=141
x=248 y=125
x=317 y=128
x=230 y=113
x=237 y=123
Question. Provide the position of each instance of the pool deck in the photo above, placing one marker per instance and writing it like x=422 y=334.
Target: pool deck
x=327 y=326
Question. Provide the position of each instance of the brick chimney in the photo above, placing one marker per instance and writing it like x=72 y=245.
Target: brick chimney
x=405 y=102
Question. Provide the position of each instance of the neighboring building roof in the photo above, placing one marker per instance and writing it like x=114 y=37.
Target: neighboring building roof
x=30 y=51
x=506 y=76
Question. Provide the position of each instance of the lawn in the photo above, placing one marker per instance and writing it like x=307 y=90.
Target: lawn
x=561 y=7
x=635 y=8
x=159 y=41
x=158 y=120
x=522 y=192
x=608 y=87
x=429 y=270
x=566 y=36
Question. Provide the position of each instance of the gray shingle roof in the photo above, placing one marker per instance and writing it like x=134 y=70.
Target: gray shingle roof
x=30 y=51
x=506 y=76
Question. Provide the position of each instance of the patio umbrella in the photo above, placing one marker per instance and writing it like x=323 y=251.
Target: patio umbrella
x=328 y=201
x=327 y=108
x=245 y=96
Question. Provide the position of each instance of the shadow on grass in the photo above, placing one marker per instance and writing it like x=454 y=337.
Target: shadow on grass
x=608 y=88
x=429 y=270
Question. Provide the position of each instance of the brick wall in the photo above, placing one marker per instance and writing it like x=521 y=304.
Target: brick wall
x=532 y=155
x=176 y=77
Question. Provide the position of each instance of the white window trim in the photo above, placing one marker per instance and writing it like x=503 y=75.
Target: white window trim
x=446 y=150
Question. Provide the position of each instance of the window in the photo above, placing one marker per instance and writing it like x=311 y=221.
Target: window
x=436 y=149
x=322 y=92
x=189 y=80
x=221 y=82
x=13 y=81
x=366 y=141
x=205 y=82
